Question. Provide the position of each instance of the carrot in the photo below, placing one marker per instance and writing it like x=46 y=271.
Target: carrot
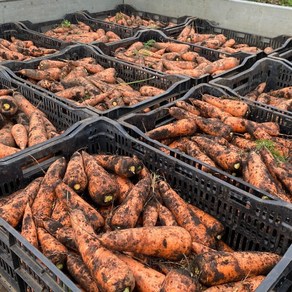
x=223 y=267
x=24 y=105
x=222 y=246
x=102 y=189
x=64 y=234
x=36 y=74
x=195 y=73
x=285 y=92
x=246 y=285
x=150 y=214
x=124 y=166
x=208 y=110
x=75 y=73
x=45 y=64
x=7 y=150
x=6 y=136
x=222 y=64
x=243 y=143
x=179 y=113
x=55 y=251
x=107 y=75
x=109 y=272
x=190 y=56
x=188 y=107
x=6 y=91
x=148 y=90
x=146 y=278
x=168 y=242
x=199 y=248
x=28 y=228
x=20 y=135
x=183 y=127
x=8 y=106
x=75 y=176
x=179 y=280
x=124 y=186
x=80 y=272
x=73 y=201
x=214 y=227
x=223 y=156
x=166 y=218
x=75 y=92
x=13 y=210
x=43 y=203
x=37 y=131
x=183 y=216
x=259 y=176
x=5 y=199
x=127 y=214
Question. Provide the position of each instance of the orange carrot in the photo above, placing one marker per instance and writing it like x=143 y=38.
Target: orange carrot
x=199 y=248
x=60 y=213
x=222 y=64
x=6 y=136
x=124 y=186
x=165 y=217
x=150 y=214
x=8 y=106
x=7 y=150
x=190 y=108
x=20 y=135
x=37 y=131
x=28 y=228
x=222 y=246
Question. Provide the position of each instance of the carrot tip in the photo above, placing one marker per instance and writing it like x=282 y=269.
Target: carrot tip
x=236 y=166
x=6 y=106
x=60 y=266
x=219 y=237
x=132 y=169
x=265 y=198
x=108 y=199
x=115 y=103
x=127 y=289
x=77 y=187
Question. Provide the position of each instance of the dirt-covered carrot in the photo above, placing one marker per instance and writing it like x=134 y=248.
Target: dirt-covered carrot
x=45 y=64
x=8 y=106
x=6 y=136
x=222 y=246
x=223 y=156
x=245 y=285
x=5 y=199
x=285 y=92
x=110 y=273
x=75 y=176
x=64 y=234
x=75 y=92
x=214 y=227
x=73 y=201
x=28 y=227
x=199 y=248
x=80 y=273
x=183 y=127
x=148 y=90
x=124 y=186
x=36 y=74
x=127 y=214
x=37 y=131
x=20 y=135
x=183 y=215
x=55 y=251
x=165 y=216
x=179 y=280
x=190 y=108
x=223 y=267
x=234 y=107
x=44 y=201
x=243 y=143
x=121 y=165
x=168 y=242
x=60 y=213
x=6 y=91
x=222 y=64
x=150 y=214
x=7 y=150
x=147 y=279
x=13 y=210
x=102 y=189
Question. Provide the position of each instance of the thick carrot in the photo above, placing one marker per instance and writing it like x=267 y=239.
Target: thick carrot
x=146 y=278
x=223 y=267
x=127 y=214
x=245 y=285
x=20 y=135
x=165 y=216
x=80 y=272
x=183 y=127
x=37 y=130
x=74 y=201
x=150 y=214
x=64 y=234
x=243 y=143
x=75 y=176
x=6 y=91
x=179 y=280
x=44 y=201
x=60 y=213
x=214 y=227
x=13 y=210
x=28 y=227
x=168 y=242
x=179 y=113
x=148 y=90
x=124 y=166
x=6 y=136
x=285 y=92
x=45 y=64
x=222 y=64
x=55 y=251
x=109 y=272
x=36 y=74
x=183 y=215
x=8 y=106
x=234 y=107
x=223 y=156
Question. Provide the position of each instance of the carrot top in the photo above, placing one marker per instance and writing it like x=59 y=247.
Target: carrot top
x=270 y=145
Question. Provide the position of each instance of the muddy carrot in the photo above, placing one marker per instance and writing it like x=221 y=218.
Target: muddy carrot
x=183 y=216
x=124 y=186
x=190 y=108
x=45 y=64
x=7 y=150
x=199 y=248
x=222 y=64
x=28 y=227
x=60 y=213
x=165 y=216
x=80 y=273
x=285 y=92
x=37 y=131
x=148 y=90
x=20 y=135
x=127 y=214
x=75 y=176
x=5 y=91
x=110 y=273
x=168 y=242
x=150 y=214
x=6 y=136
x=243 y=143
x=75 y=92
x=5 y=199
x=94 y=100
x=36 y=74
x=8 y=106
x=102 y=189
x=222 y=246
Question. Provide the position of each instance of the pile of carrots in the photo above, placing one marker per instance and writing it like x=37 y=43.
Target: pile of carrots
x=173 y=58
x=21 y=50
x=111 y=225
x=86 y=82
x=22 y=124
x=215 y=131
x=217 y=42
x=280 y=98
x=81 y=33
x=136 y=21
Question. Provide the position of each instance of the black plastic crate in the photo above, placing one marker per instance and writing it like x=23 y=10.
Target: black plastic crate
x=64 y=117
x=73 y=18
x=7 y=30
x=246 y=60
x=139 y=123
x=130 y=10
x=250 y=223
x=275 y=73
x=203 y=26
x=174 y=86
x=285 y=54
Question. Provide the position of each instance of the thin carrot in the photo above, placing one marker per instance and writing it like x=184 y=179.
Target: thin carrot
x=199 y=248
x=150 y=214
x=28 y=227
